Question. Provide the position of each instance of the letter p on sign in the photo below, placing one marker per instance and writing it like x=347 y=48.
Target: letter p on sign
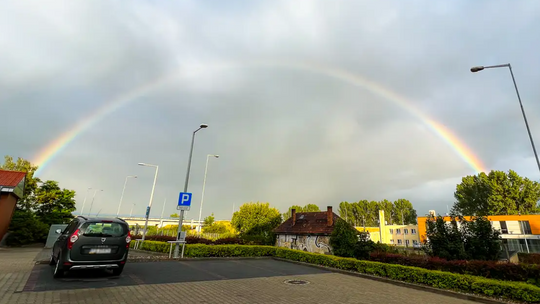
x=184 y=201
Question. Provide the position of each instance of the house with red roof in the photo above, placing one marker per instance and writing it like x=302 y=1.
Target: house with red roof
x=11 y=190
x=307 y=231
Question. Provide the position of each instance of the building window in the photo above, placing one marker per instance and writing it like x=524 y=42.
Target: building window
x=415 y=242
x=391 y=231
x=399 y=242
x=398 y=231
x=406 y=231
x=525 y=227
x=391 y=241
x=407 y=242
x=413 y=231
x=504 y=228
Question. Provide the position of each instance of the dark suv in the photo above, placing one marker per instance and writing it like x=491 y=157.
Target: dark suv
x=91 y=243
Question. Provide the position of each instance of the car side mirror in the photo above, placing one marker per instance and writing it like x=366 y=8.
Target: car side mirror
x=58 y=231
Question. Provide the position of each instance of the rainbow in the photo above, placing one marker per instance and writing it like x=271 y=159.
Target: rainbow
x=46 y=155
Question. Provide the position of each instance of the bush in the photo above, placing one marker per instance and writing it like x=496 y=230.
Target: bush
x=516 y=291
x=529 y=258
x=191 y=239
x=229 y=240
x=364 y=247
x=343 y=239
x=487 y=269
x=26 y=228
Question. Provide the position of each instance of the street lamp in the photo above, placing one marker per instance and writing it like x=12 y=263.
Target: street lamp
x=131 y=212
x=203 y=187
x=92 y=204
x=151 y=197
x=122 y=197
x=84 y=201
x=480 y=68
x=181 y=217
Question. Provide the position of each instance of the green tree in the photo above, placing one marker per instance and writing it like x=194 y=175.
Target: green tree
x=174 y=215
x=364 y=246
x=496 y=193
x=306 y=208
x=346 y=212
x=388 y=208
x=220 y=228
x=444 y=240
x=482 y=242
x=54 y=205
x=209 y=220
x=403 y=212
x=31 y=183
x=343 y=239
x=26 y=228
x=256 y=222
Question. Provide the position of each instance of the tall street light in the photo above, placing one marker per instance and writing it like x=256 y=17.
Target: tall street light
x=93 y=197
x=480 y=68
x=181 y=217
x=131 y=212
x=204 y=185
x=84 y=201
x=151 y=197
x=122 y=197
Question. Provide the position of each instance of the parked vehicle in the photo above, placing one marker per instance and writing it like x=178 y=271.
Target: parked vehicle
x=91 y=243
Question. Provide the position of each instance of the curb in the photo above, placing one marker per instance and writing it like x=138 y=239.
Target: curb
x=449 y=293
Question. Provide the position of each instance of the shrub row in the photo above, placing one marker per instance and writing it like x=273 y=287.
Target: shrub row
x=516 y=291
x=488 y=269
x=193 y=240
x=529 y=258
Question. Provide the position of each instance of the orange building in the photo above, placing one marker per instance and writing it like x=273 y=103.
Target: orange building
x=11 y=190
x=520 y=232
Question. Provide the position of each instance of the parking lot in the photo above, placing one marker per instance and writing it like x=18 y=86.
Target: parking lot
x=228 y=281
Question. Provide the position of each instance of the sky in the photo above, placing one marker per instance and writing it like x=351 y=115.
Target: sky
x=306 y=101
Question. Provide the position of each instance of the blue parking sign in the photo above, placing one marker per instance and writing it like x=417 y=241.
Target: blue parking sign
x=184 y=201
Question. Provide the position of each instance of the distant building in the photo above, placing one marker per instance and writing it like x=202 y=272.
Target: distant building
x=397 y=235
x=519 y=233
x=11 y=190
x=307 y=231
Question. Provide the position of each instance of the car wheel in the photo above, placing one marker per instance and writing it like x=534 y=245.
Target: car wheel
x=58 y=270
x=51 y=261
x=118 y=271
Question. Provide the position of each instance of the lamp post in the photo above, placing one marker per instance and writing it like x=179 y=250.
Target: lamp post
x=123 y=190
x=84 y=201
x=181 y=217
x=480 y=68
x=151 y=197
x=93 y=197
x=131 y=212
x=162 y=211
x=203 y=187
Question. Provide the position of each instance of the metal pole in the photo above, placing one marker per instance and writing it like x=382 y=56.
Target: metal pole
x=92 y=204
x=150 y=204
x=122 y=197
x=524 y=236
x=162 y=211
x=202 y=195
x=181 y=217
x=524 y=117
x=84 y=201
x=131 y=212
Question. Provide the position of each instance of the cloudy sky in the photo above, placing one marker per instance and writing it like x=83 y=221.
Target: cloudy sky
x=265 y=77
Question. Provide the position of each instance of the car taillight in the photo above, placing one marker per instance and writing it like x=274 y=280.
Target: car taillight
x=73 y=238
x=128 y=239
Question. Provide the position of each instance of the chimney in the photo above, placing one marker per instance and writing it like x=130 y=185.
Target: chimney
x=329 y=216
x=293 y=215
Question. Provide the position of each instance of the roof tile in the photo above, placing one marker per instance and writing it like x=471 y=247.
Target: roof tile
x=11 y=178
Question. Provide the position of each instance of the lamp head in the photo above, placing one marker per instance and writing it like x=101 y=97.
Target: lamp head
x=203 y=126
x=477 y=69
x=216 y=156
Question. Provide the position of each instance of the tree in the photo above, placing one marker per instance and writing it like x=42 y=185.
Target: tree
x=174 y=215
x=256 y=222
x=496 y=193
x=482 y=242
x=54 y=205
x=346 y=212
x=209 y=220
x=388 y=208
x=306 y=208
x=444 y=240
x=364 y=246
x=343 y=239
x=220 y=228
x=403 y=212
x=30 y=186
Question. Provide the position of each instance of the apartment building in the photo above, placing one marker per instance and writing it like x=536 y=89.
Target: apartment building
x=519 y=232
x=397 y=235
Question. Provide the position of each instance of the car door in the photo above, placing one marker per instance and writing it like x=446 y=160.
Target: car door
x=62 y=238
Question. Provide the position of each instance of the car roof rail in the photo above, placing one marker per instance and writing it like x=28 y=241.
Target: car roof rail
x=84 y=217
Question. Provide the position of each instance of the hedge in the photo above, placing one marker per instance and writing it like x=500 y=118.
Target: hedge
x=516 y=291
x=529 y=258
x=488 y=269
x=190 y=239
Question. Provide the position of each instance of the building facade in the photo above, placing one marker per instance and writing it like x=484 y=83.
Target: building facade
x=11 y=190
x=397 y=235
x=519 y=232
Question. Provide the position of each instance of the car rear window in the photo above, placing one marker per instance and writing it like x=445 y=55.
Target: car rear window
x=104 y=229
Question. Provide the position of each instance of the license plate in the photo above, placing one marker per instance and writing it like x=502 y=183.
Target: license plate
x=100 y=250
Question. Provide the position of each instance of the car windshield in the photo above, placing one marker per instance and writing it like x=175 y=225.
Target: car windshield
x=104 y=229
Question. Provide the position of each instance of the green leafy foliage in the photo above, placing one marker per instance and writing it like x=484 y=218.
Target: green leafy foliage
x=515 y=291
x=529 y=258
x=209 y=220
x=475 y=240
x=343 y=239
x=256 y=221
x=220 y=228
x=496 y=193
x=54 y=205
x=366 y=213
x=306 y=208
x=26 y=228
x=364 y=246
